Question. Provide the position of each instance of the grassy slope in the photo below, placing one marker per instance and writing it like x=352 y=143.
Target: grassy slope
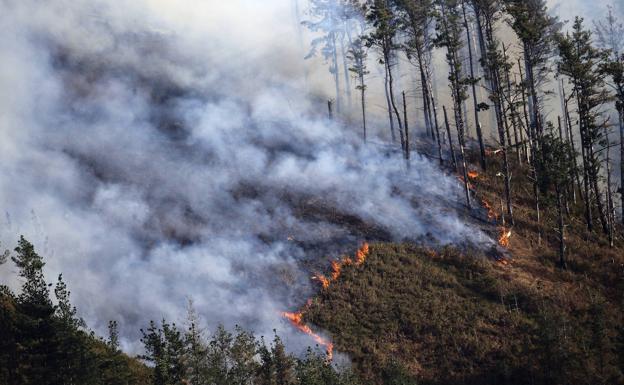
x=445 y=317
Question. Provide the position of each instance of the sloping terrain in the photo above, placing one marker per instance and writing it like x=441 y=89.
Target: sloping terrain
x=415 y=315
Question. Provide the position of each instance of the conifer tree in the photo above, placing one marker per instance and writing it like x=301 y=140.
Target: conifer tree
x=610 y=35
x=36 y=351
x=449 y=36
x=580 y=61
x=385 y=27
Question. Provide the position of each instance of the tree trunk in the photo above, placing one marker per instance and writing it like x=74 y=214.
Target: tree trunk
x=450 y=139
x=392 y=99
x=336 y=72
x=572 y=142
x=363 y=101
x=527 y=122
x=621 y=115
x=474 y=92
x=562 y=246
x=393 y=135
x=610 y=219
x=437 y=128
x=406 y=125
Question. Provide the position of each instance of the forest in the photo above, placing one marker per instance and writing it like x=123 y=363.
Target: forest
x=451 y=211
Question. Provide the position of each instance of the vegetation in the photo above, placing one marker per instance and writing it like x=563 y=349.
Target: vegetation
x=42 y=343
x=455 y=316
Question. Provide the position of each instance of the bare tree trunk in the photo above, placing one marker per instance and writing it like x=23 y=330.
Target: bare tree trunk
x=610 y=219
x=572 y=142
x=474 y=92
x=363 y=102
x=562 y=245
x=460 y=135
x=336 y=72
x=393 y=135
x=512 y=107
x=406 y=125
x=450 y=139
x=392 y=99
x=527 y=122
x=330 y=110
x=621 y=115
x=345 y=66
x=437 y=128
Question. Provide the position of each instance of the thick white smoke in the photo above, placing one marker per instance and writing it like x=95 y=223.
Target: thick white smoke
x=168 y=149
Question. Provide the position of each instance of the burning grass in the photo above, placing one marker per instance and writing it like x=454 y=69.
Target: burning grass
x=297 y=319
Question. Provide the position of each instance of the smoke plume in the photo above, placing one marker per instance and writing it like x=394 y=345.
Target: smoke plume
x=158 y=150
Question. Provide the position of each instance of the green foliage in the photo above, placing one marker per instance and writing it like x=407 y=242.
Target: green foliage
x=46 y=344
x=555 y=163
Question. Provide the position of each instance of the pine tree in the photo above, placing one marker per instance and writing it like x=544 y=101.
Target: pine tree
x=36 y=353
x=610 y=35
x=556 y=170
x=385 y=27
x=359 y=56
x=449 y=36
x=581 y=62
x=164 y=349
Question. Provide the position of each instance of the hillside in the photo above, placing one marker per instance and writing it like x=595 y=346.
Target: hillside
x=449 y=316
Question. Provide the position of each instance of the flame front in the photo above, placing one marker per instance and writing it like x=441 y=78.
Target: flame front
x=505 y=237
x=325 y=282
x=473 y=174
x=492 y=215
x=296 y=319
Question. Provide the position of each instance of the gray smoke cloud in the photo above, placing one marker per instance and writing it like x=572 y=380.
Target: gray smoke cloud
x=157 y=150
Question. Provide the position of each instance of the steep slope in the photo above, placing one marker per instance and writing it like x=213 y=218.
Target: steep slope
x=451 y=316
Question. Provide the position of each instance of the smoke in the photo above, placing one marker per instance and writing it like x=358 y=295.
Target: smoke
x=567 y=10
x=161 y=150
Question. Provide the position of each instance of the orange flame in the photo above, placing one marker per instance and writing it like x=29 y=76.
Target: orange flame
x=505 y=237
x=492 y=215
x=473 y=174
x=296 y=319
x=361 y=254
x=325 y=282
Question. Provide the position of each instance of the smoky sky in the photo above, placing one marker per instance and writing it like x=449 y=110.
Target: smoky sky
x=167 y=150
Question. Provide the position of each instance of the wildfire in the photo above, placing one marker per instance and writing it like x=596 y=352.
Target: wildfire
x=361 y=254
x=325 y=282
x=296 y=319
x=473 y=174
x=491 y=213
x=505 y=237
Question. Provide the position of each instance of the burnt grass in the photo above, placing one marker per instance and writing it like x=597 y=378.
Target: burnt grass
x=412 y=315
